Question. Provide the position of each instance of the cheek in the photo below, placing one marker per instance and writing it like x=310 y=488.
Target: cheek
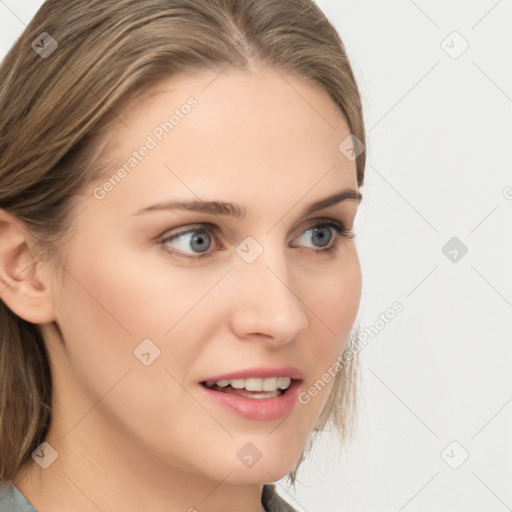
x=125 y=293
x=107 y=308
x=333 y=311
x=108 y=305
x=113 y=301
x=333 y=301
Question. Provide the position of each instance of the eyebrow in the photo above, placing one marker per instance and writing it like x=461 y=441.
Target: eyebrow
x=223 y=208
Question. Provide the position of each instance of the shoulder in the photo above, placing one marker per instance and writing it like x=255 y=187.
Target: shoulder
x=11 y=499
x=273 y=502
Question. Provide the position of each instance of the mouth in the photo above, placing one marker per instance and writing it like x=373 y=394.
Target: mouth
x=254 y=388
x=254 y=398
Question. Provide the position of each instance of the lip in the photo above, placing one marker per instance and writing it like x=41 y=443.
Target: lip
x=259 y=372
x=257 y=409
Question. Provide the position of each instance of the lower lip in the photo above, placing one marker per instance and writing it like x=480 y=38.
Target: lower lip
x=260 y=409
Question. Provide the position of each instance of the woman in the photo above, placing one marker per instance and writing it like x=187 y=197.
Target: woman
x=180 y=280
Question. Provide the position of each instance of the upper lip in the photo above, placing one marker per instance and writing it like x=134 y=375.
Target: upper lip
x=260 y=372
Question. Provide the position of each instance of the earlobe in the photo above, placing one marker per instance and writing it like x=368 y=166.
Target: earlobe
x=25 y=287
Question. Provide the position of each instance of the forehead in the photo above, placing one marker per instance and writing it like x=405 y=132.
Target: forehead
x=249 y=130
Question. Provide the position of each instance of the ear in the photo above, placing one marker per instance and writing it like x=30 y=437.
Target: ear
x=25 y=283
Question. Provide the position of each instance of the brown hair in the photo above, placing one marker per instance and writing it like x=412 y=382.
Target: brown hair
x=55 y=109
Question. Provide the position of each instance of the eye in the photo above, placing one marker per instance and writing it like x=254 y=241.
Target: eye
x=198 y=239
x=195 y=242
x=321 y=234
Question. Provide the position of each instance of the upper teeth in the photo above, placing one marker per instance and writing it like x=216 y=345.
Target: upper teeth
x=256 y=384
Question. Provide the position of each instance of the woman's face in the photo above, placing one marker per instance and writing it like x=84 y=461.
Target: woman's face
x=157 y=300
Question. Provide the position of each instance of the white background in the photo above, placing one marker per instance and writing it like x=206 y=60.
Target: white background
x=438 y=166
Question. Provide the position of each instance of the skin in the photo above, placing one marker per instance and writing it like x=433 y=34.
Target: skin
x=134 y=437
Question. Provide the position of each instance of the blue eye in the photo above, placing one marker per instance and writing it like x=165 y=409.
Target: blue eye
x=202 y=236
x=201 y=240
x=322 y=233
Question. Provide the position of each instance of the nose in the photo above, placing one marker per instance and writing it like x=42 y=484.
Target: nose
x=265 y=303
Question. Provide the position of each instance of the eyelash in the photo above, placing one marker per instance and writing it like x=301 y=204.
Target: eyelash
x=340 y=232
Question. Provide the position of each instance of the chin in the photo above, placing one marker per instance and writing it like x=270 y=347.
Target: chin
x=252 y=466
x=259 y=474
